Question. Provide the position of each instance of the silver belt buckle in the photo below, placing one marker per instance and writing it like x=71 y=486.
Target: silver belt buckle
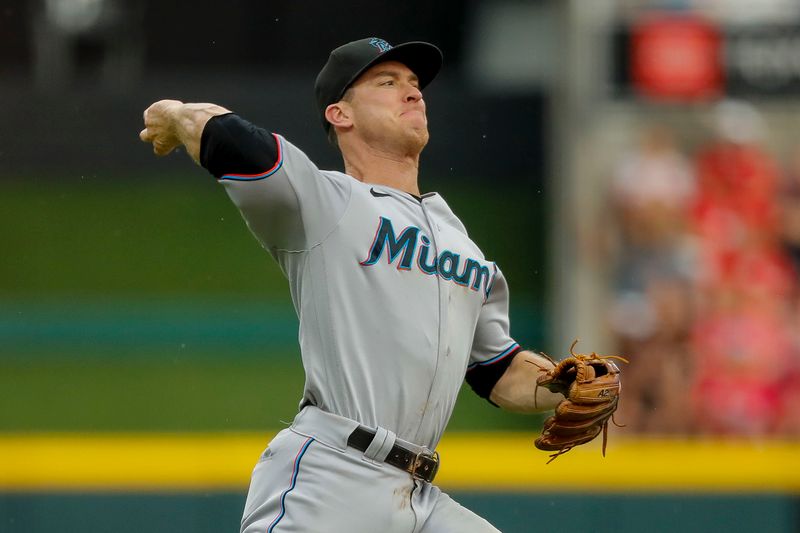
x=425 y=470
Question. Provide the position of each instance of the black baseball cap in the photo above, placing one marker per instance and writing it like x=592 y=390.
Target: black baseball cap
x=349 y=61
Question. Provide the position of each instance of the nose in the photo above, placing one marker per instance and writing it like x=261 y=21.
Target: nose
x=413 y=94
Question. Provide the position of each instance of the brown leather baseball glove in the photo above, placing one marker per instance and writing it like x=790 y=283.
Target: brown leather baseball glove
x=591 y=386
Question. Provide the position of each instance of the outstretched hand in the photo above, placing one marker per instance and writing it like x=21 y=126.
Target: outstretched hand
x=160 y=126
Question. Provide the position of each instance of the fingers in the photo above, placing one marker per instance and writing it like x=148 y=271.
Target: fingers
x=162 y=149
x=159 y=147
x=147 y=134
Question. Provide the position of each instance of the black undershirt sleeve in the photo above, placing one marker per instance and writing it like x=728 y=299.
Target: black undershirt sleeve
x=483 y=378
x=231 y=145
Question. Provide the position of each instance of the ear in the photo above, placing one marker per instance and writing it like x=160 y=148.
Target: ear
x=339 y=114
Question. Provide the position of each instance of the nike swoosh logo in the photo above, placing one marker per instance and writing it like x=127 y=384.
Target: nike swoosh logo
x=377 y=194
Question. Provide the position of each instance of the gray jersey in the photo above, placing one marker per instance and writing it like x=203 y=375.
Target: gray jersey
x=396 y=303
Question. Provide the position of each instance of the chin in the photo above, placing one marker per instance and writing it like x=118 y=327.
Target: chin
x=424 y=139
x=417 y=139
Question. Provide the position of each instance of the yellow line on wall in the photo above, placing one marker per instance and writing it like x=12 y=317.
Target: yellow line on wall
x=511 y=462
x=128 y=461
x=494 y=461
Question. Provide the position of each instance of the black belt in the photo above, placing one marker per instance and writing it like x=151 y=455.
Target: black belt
x=420 y=465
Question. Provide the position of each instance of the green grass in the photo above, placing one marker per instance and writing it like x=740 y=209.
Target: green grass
x=170 y=393
x=183 y=237
x=116 y=248
x=130 y=239
x=175 y=391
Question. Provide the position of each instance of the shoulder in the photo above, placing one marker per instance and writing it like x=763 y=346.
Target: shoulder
x=443 y=212
x=335 y=175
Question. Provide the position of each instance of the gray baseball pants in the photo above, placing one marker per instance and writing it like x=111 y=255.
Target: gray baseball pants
x=309 y=481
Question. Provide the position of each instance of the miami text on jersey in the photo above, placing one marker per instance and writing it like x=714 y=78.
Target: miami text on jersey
x=447 y=265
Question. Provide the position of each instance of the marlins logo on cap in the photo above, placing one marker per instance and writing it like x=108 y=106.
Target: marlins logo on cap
x=380 y=44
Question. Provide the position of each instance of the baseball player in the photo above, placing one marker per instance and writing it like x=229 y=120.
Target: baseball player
x=396 y=304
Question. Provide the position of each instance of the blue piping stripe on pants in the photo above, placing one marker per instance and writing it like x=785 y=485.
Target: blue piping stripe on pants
x=295 y=470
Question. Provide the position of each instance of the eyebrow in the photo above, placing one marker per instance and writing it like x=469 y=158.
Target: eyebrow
x=395 y=74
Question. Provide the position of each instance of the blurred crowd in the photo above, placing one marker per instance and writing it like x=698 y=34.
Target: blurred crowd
x=706 y=281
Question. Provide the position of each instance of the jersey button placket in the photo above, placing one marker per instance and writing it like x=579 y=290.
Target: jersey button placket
x=441 y=286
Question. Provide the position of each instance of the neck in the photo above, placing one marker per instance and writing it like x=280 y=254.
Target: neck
x=394 y=169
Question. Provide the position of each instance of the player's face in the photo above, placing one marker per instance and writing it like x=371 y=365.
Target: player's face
x=387 y=107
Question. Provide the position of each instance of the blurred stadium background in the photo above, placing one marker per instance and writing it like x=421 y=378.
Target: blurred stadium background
x=632 y=165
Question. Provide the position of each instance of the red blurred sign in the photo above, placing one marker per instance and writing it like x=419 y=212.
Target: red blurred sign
x=676 y=58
